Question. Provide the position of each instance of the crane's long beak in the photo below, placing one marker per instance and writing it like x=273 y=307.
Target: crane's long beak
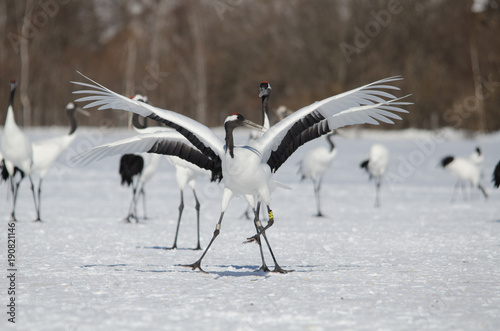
x=263 y=91
x=83 y=111
x=253 y=125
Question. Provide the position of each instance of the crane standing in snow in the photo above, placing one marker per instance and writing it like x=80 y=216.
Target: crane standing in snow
x=376 y=166
x=314 y=165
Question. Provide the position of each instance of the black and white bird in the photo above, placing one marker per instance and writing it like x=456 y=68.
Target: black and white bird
x=47 y=151
x=466 y=171
x=248 y=170
x=376 y=166
x=495 y=178
x=314 y=165
x=17 y=152
x=131 y=167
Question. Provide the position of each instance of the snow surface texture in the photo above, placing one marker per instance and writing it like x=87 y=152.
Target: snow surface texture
x=418 y=262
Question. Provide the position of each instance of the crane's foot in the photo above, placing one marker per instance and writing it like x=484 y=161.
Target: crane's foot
x=252 y=239
x=263 y=268
x=319 y=214
x=277 y=268
x=197 y=248
x=194 y=266
x=38 y=220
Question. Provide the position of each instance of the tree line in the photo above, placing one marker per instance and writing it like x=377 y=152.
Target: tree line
x=206 y=58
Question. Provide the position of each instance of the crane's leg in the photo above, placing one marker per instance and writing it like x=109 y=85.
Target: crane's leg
x=483 y=190
x=132 y=209
x=262 y=231
x=34 y=194
x=226 y=198
x=197 y=207
x=317 y=187
x=38 y=219
x=197 y=264
x=259 y=227
x=143 y=194
x=14 y=186
x=377 y=192
x=181 y=208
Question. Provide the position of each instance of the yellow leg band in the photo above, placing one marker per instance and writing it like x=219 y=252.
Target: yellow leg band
x=271 y=214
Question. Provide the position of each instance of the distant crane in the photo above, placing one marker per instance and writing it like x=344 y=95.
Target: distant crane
x=185 y=173
x=247 y=170
x=131 y=167
x=466 y=171
x=496 y=176
x=376 y=166
x=46 y=152
x=314 y=165
x=17 y=152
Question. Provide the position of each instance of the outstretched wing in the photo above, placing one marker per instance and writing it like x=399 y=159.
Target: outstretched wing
x=198 y=134
x=161 y=142
x=366 y=104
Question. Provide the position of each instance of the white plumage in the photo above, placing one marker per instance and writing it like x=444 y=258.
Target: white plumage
x=376 y=166
x=17 y=151
x=466 y=171
x=46 y=152
x=247 y=170
x=314 y=165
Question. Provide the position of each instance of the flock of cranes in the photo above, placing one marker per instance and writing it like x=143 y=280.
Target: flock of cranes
x=195 y=150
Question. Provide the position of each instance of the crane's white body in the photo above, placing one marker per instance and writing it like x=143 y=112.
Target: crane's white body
x=376 y=166
x=378 y=160
x=314 y=165
x=17 y=152
x=248 y=172
x=16 y=147
x=467 y=172
x=46 y=152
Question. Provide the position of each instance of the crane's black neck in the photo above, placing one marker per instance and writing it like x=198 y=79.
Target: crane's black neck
x=137 y=124
x=265 y=111
x=229 y=127
x=70 y=113
x=329 y=138
x=12 y=94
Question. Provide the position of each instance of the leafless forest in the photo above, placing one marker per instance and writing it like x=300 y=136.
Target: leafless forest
x=206 y=58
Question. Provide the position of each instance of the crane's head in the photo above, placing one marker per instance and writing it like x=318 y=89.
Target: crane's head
x=140 y=97
x=237 y=120
x=71 y=108
x=264 y=89
x=13 y=84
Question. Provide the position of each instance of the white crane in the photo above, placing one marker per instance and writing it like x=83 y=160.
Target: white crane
x=247 y=170
x=466 y=171
x=376 y=166
x=46 y=152
x=185 y=173
x=314 y=165
x=131 y=167
x=17 y=151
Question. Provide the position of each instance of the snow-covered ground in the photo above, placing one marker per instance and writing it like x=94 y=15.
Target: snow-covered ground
x=419 y=262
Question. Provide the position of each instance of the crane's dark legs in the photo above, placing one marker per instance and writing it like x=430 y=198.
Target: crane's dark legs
x=197 y=264
x=141 y=192
x=259 y=227
x=132 y=210
x=34 y=199
x=14 y=187
x=316 y=195
x=181 y=208
x=38 y=219
x=483 y=190
x=262 y=231
x=197 y=207
x=377 y=192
